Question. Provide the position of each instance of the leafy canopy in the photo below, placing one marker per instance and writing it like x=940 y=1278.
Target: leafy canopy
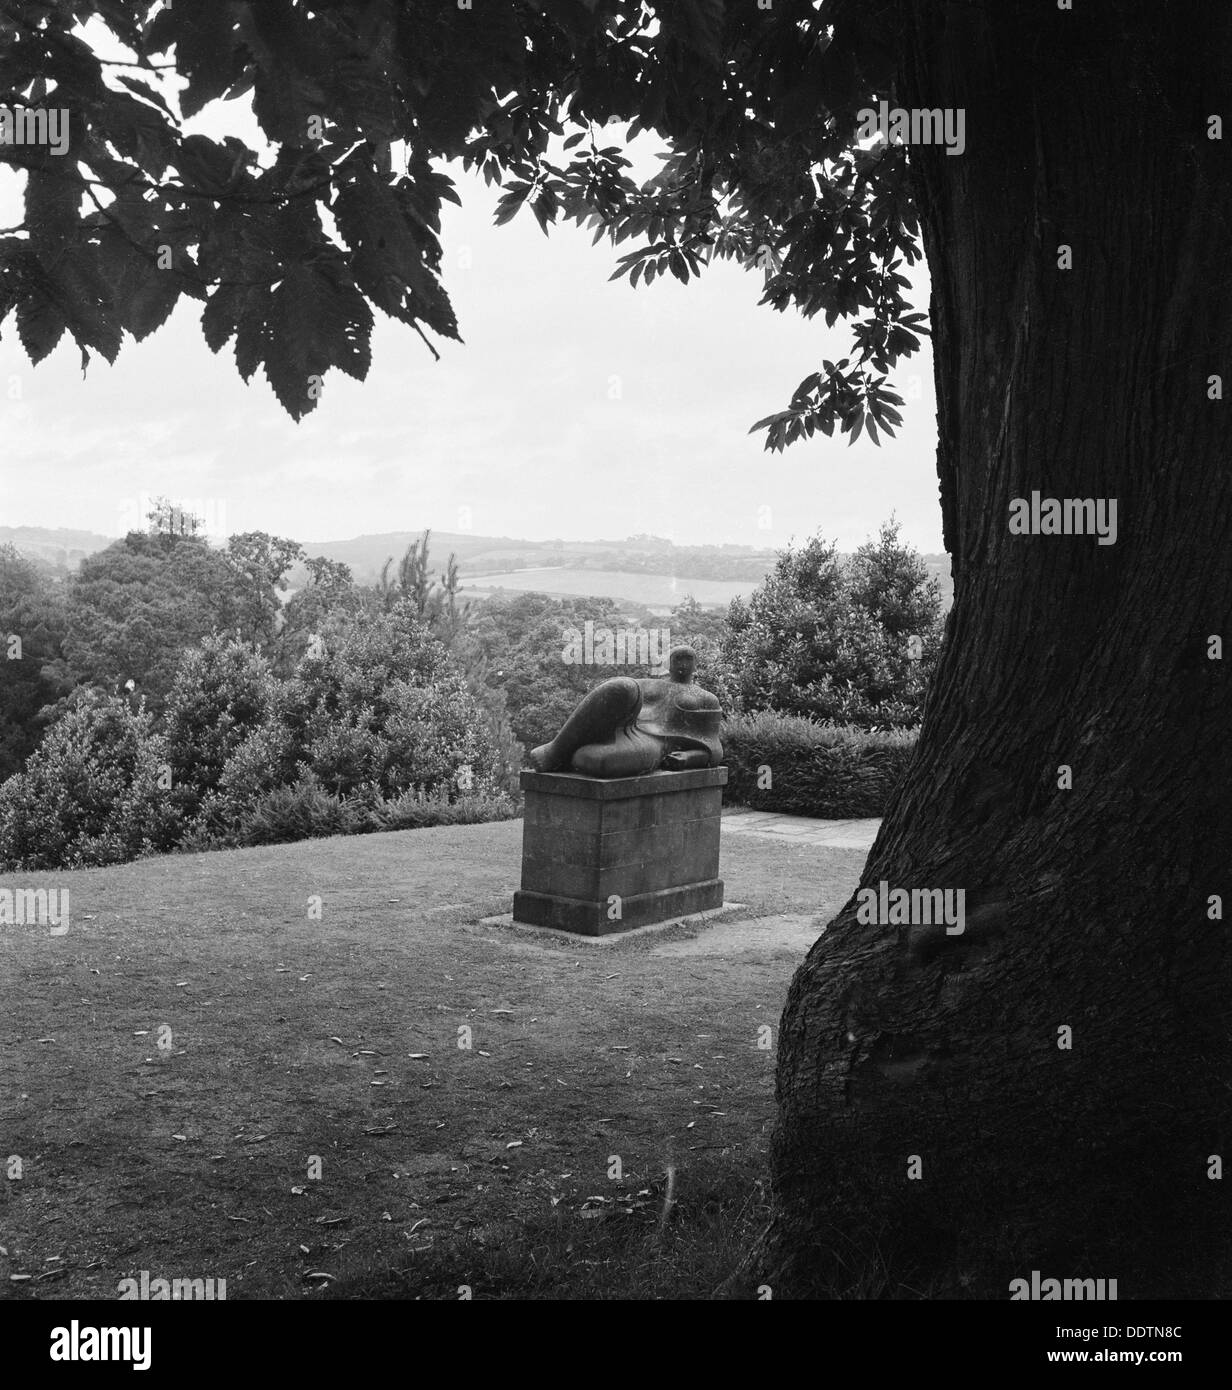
x=363 y=100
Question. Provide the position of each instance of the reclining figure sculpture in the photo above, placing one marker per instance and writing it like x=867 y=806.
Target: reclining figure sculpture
x=626 y=727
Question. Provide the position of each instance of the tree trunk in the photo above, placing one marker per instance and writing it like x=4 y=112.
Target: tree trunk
x=1088 y=907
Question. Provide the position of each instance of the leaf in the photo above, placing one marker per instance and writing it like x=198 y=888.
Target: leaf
x=205 y=48
x=699 y=23
x=510 y=202
x=219 y=321
x=40 y=325
x=52 y=202
x=151 y=304
x=90 y=308
x=147 y=93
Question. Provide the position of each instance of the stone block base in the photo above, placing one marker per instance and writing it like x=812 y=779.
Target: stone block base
x=608 y=855
x=592 y=918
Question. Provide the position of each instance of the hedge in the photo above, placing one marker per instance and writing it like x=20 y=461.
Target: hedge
x=830 y=770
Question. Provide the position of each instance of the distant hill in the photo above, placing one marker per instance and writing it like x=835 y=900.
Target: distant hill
x=57 y=552
x=648 y=571
x=492 y=555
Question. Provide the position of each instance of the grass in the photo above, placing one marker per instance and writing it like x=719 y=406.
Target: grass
x=533 y=1164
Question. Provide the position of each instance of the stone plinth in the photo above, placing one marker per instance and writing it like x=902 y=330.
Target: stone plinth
x=651 y=841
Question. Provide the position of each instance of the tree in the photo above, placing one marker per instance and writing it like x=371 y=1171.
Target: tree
x=322 y=611
x=261 y=563
x=890 y=581
x=1072 y=769
x=390 y=710
x=852 y=643
x=31 y=626
x=703 y=629
x=435 y=603
x=133 y=609
x=223 y=690
x=169 y=519
x=518 y=646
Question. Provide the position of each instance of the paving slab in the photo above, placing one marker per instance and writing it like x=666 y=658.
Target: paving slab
x=837 y=834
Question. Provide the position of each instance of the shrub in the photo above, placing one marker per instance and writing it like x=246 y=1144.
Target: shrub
x=307 y=811
x=90 y=794
x=390 y=708
x=412 y=812
x=832 y=641
x=223 y=692
x=815 y=769
x=304 y=811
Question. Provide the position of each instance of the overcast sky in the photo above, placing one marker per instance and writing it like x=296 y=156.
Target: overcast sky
x=575 y=408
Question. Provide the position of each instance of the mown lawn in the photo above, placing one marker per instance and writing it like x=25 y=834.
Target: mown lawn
x=292 y=1037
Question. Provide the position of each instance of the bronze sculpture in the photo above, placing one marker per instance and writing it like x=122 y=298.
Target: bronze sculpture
x=626 y=727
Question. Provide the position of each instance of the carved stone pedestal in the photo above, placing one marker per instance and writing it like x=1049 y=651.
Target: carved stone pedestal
x=606 y=855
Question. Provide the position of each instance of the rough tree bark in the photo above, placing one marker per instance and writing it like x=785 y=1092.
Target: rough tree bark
x=1085 y=907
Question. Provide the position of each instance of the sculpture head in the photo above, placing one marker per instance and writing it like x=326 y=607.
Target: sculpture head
x=682 y=663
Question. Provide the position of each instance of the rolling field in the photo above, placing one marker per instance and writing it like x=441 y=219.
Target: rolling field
x=652 y=590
